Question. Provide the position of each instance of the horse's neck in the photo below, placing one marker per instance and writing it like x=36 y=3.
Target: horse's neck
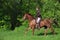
x=30 y=18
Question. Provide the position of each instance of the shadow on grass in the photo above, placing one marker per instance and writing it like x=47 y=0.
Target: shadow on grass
x=41 y=34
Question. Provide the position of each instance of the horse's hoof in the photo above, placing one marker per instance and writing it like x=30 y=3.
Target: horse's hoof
x=33 y=34
x=45 y=35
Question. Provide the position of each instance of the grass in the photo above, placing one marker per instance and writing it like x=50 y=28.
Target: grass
x=18 y=34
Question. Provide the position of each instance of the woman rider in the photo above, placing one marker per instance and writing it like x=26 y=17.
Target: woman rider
x=38 y=17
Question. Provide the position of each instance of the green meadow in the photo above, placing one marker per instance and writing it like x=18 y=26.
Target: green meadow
x=18 y=34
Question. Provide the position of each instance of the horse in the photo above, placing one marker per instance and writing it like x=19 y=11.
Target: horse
x=46 y=23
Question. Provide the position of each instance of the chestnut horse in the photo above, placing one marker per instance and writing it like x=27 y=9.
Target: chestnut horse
x=46 y=23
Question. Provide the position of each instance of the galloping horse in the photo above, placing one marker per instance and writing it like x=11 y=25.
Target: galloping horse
x=46 y=23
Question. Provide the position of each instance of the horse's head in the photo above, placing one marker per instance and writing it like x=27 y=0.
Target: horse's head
x=25 y=16
x=28 y=16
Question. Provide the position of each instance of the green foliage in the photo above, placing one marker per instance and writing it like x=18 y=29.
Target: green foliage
x=48 y=8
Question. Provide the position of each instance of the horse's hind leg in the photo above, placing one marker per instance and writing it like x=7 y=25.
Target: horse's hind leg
x=52 y=30
x=45 y=31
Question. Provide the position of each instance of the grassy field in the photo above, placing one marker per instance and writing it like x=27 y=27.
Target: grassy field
x=18 y=34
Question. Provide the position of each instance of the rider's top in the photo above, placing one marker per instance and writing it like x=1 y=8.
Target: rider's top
x=38 y=12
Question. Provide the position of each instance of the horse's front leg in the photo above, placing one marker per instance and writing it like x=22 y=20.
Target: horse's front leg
x=27 y=30
x=33 y=30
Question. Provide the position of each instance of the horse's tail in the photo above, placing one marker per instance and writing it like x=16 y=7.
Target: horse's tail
x=55 y=22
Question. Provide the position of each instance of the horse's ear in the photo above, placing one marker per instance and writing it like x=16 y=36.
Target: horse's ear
x=25 y=13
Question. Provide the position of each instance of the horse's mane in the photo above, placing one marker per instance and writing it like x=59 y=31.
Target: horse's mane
x=30 y=14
